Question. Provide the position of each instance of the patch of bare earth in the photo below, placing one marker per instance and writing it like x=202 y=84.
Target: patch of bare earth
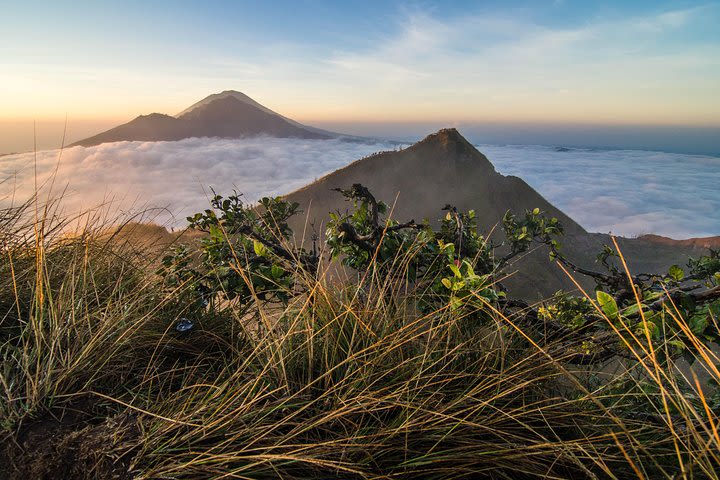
x=71 y=447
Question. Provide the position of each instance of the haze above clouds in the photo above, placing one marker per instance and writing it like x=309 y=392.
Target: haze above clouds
x=625 y=192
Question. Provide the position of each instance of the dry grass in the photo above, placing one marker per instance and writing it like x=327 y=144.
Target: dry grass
x=347 y=382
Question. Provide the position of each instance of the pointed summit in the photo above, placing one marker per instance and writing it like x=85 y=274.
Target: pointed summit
x=225 y=94
x=230 y=96
x=447 y=137
x=451 y=146
x=230 y=117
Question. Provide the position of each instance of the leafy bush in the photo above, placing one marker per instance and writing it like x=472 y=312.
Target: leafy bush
x=248 y=255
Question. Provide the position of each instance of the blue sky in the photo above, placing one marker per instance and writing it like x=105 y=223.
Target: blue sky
x=353 y=62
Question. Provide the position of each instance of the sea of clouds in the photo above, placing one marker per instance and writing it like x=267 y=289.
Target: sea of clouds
x=626 y=192
x=174 y=179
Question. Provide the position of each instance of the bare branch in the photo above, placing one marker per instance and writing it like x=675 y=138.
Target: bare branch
x=675 y=296
x=360 y=192
x=602 y=277
x=351 y=235
x=459 y=225
x=309 y=261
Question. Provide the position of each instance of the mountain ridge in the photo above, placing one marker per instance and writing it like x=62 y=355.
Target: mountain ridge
x=444 y=168
x=701 y=242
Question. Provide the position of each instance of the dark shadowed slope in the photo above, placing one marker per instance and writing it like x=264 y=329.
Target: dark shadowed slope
x=221 y=115
x=444 y=168
x=153 y=127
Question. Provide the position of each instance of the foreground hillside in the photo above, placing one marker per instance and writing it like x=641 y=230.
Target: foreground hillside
x=445 y=168
x=238 y=357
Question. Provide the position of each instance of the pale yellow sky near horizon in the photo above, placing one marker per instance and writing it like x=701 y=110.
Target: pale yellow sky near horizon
x=21 y=133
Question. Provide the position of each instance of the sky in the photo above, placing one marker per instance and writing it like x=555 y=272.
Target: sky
x=370 y=67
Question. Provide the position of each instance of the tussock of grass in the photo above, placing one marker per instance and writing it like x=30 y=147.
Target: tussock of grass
x=346 y=382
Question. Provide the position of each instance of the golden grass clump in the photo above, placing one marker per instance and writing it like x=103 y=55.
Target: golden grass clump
x=346 y=381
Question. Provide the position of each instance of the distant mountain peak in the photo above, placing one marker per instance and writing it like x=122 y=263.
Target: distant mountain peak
x=446 y=135
x=228 y=114
x=226 y=94
x=449 y=144
x=447 y=138
x=228 y=103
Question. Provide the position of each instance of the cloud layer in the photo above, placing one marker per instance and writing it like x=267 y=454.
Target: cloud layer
x=626 y=192
x=131 y=176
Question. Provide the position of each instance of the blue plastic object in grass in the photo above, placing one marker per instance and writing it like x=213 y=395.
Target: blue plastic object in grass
x=184 y=325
